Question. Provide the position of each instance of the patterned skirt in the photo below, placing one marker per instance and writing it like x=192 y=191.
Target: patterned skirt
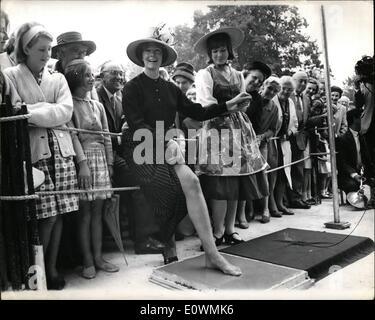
x=97 y=163
x=161 y=187
x=60 y=174
x=230 y=162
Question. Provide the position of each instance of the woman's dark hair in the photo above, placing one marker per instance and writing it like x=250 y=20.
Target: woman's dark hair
x=19 y=52
x=353 y=114
x=219 y=40
x=140 y=49
x=365 y=70
x=75 y=74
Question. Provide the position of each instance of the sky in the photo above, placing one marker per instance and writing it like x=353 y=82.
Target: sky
x=114 y=24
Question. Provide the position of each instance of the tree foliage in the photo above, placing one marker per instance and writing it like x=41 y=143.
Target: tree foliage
x=273 y=34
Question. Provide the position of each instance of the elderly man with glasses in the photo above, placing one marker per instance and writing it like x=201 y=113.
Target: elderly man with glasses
x=70 y=46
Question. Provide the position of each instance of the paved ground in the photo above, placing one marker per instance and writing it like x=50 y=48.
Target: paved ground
x=355 y=281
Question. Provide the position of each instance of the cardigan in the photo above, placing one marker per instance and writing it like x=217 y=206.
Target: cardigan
x=50 y=105
x=89 y=114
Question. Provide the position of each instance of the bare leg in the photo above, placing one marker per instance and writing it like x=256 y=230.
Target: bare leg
x=271 y=198
x=265 y=211
x=198 y=213
x=249 y=210
x=45 y=227
x=219 y=211
x=280 y=189
x=230 y=216
x=84 y=233
x=53 y=247
x=97 y=230
x=96 y=237
x=241 y=216
x=306 y=184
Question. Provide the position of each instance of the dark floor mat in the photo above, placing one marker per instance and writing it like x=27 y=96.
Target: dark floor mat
x=312 y=251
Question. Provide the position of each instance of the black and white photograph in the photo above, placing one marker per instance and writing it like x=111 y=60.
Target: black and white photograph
x=187 y=150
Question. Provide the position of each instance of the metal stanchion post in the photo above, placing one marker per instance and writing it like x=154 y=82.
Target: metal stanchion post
x=336 y=224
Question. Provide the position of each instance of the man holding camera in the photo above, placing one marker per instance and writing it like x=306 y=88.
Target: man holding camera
x=364 y=99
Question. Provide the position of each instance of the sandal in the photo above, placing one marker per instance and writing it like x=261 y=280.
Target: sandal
x=218 y=242
x=230 y=239
x=88 y=272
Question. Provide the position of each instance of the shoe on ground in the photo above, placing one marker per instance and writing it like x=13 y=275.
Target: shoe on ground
x=286 y=212
x=88 y=272
x=231 y=239
x=56 y=283
x=151 y=246
x=311 y=202
x=326 y=195
x=299 y=204
x=276 y=214
x=265 y=219
x=107 y=267
x=243 y=225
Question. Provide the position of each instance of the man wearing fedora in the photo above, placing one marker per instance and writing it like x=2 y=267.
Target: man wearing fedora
x=70 y=46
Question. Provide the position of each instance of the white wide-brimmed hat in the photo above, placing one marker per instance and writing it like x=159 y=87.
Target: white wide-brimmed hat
x=236 y=36
x=162 y=36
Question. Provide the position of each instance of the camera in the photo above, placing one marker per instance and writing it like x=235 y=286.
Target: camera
x=364 y=69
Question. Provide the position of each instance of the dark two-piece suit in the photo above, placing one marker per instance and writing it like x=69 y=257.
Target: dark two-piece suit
x=347 y=162
x=298 y=144
x=115 y=116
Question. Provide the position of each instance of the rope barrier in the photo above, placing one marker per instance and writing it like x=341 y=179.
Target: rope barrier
x=288 y=164
x=19 y=198
x=38 y=194
x=44 y=193
x=47 y=193
x=84 y=131
x=15 y=118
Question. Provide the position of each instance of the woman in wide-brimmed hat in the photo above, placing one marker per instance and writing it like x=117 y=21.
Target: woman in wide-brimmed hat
x=171 y=188
x=224 y=183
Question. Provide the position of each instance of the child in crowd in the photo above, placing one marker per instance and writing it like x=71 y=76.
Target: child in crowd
x=49 y=102
x=95 y=169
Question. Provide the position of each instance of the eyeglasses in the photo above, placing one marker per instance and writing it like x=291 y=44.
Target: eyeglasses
x=116 y=73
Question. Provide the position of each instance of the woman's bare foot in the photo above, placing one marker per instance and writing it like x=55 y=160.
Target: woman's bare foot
x=217 y=261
